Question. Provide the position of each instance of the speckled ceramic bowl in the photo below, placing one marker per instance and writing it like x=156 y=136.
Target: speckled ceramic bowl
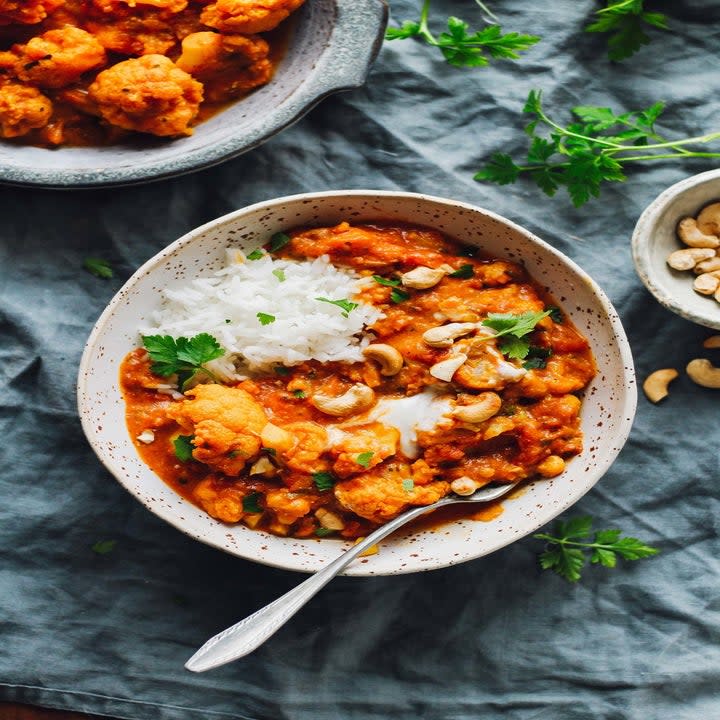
x=655 y=238
x=333 y=45
x=607 y=413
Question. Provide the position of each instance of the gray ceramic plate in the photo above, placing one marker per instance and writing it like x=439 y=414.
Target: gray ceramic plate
x=333 y=46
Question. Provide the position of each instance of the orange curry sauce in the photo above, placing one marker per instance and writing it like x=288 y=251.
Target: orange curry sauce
x=535 y=429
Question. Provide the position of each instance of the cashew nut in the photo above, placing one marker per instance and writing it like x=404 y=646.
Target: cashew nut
x=656 y=384
x=329 y=520
x=710 y=265
x=263 y=466
x=551 y=466
x=445 y=369
x=704 y=373
x=464 y=485
x=485 y=405
x=443 y=335
x=712 y=343
x=388 y=357
x=709 y=219
x=357 y=398
x=706 y=284
x=692 y=236
x=422 y=278
x=688 y=258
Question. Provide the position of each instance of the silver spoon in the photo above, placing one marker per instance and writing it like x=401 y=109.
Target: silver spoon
x=247 y=635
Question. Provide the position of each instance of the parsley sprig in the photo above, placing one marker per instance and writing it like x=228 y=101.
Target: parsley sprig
x=514 y=329
x=566 y=551
x=462 y=47
x=626 y=21
x=184 y=357
x=590 y=151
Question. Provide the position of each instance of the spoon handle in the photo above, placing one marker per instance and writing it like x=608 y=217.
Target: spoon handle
x=248 y=634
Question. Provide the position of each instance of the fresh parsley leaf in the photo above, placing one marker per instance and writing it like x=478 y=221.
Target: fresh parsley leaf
x=250 y=503
x=513 y=329
x=279 y=274
x=556 y=314
x=345 y=305
x=278 y=241
x=462 y=47
x=98 y=267
x=625 y=21
x=103 y=547
x=182 y=356
x=364 y=459
x=569 y=542
x=256 y=254
x=324 y=532
x=265 y=319
x=299 y=394
x=398 y=296
x=536 y=357
x=592 y=150
x=324 y=480
x=184 y=447
x=463 y=272
x=408 y=484
x=380 y=280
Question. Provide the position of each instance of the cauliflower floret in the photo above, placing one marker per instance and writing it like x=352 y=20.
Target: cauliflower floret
x=226 y=423
x=248 y=16
x=288 y=506
x=310 y=442
x=375 y=438
x=220 y=499
x=27 y=12
x=134 y=35
x=148 y=94
x=113 y=6
x=380 y=496
x=227 y=65
x=59 y=57
x=22 y=109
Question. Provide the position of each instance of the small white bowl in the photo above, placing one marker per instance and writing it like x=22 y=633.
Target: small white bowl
x=607 y=413
x=654 y=238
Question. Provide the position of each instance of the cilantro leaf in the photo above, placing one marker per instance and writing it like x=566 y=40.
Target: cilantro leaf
x=250 y=503
x=398 y=296
x=565 y=553
x=256 y=254
x=265 y=319
x=555 y=314
x=182 y=356
x=364 y=459
x=345 y=305
x=536 y=357
x=278 y=241
x=407 y=30
x=513 y=329
x=184 y=447
x=324 y=480
x=279 y=274
x=380 y=280
x=324 y=532
x=408 y=484
x=500 y=169
x=103 y=547
x=463 y=272
x=98 y=267
x=300 y=394
x=514 y=348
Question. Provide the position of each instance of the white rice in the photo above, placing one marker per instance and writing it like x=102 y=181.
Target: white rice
x=304 y=327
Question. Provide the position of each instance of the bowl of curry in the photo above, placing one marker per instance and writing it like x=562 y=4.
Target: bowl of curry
x=317 y=364
x=113 y=92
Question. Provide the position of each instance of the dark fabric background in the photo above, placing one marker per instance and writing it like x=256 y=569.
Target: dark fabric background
x=494 y=638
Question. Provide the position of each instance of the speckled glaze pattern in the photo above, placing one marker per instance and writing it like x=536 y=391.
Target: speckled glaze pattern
x=607 y=414
x=654 y=238
x=326 y=54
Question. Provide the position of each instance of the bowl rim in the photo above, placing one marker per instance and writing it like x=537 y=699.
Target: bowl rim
x=313 y=90
x=641 y=248
x=624 y=425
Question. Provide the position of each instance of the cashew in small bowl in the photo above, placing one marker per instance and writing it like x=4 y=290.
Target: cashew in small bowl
x=656 y=384
x=388 y=357
x=703 y=372
x=692 y=236
x=688 y=258
x=706 y=284
x=709 y=219
x=444 y=335
x=357 y=398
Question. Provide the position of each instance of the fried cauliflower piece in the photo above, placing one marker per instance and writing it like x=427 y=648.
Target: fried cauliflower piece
x=226 y=423
x=287 y=505
x=135 y=35
x=115 y=6
x=27 y=12
x=148 y=94
x=22 y=109
x=380 y=495
x=227 y=65
x=310 y=442
x=248 y=16
x=375 y=438
x=221 y=500
x=59 y=57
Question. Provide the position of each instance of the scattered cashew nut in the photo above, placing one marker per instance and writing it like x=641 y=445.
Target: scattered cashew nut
x=485 y=405
x=357 y=398
x=388 y=357
x=329 y=520
x=444 y=335
x=656 y=384
x=263 y=466
x=422 y=278
x=712 y=343
x=445 y=369
x=703 y=372
x=692 y=236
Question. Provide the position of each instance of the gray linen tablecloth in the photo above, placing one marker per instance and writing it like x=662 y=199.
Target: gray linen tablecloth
x=493 y=638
